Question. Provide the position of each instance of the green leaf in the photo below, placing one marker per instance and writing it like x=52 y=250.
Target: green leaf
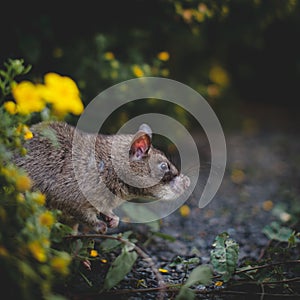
x=165 y=236
x=180 y=261
x=59 y=231
x=224 y=256
x=177 y=261
x=293 y=240
x=185 y=293
x=3 y=74
x=109 y=245
x=276 y=232
x=27 y=69
x=119 y=268
x=201 y=274
x=192 y=261
x=27 y=271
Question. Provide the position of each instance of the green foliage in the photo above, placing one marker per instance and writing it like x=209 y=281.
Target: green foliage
x=164 y=236
x=200 y=275
x=276 y=232
x=185 y=293
x=30 y=266
x=268 y=272
x=13 y=68
x=120 y=267
x=224 y=256
x=181 y=261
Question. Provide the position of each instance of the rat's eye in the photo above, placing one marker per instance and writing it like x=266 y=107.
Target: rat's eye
x=164 y=166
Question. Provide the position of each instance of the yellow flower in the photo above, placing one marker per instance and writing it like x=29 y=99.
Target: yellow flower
x=163 y=270
x=62 y=93
x=38 y=198
x=165 y=72
x=109 y=56
x=225 y=10
x=267 y=205
x=45 y=242
x=184 y=210
x=187 y=15
x=115 y=64
x=27 y=98
x=218 y=283
x=238 y=176
x=10 y=107
x=103 y=260
x=213 y=90
x=23 y=183
x=94 y=253
x=9 y=172
x=164 y=55
x=199 y=16
x=60 y=263
x=19 y=129
x=37 y=251
x=3 y=251
x=137 y=71
x=27 y=133
x=202 y=7
x=219 y=75
x=20 y=198
x=46 y=219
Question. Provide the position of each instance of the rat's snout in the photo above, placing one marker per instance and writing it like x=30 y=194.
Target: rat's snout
x=185 y=181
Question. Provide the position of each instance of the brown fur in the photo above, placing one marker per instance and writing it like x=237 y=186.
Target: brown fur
x=84 y=182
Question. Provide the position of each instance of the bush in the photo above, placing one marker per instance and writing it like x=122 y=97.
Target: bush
x=30 y=265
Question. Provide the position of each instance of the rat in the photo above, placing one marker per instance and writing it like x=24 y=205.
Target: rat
x=87 y=183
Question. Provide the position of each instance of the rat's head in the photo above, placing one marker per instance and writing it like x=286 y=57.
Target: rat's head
x=149 y=172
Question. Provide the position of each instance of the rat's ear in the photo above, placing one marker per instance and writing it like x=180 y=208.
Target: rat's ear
x=141 y=143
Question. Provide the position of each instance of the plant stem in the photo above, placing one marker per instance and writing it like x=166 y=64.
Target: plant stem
x=296 y=261
x=138 y=250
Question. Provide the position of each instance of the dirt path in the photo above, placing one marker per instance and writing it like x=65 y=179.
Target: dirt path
x=262 y=173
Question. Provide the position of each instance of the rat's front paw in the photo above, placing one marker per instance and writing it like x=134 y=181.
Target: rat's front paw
x=112 y=220
x=100 y=227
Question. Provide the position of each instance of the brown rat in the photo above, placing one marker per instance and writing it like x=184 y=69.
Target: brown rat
x=86 y=175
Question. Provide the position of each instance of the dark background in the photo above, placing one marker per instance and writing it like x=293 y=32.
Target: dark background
x=255 y=42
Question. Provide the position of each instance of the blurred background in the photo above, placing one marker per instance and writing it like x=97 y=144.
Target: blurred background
x=242 y=56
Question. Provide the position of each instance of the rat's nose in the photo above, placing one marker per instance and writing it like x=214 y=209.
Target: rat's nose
x=185 y=180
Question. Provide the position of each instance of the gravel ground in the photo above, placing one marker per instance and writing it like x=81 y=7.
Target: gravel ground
x=262 y=171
